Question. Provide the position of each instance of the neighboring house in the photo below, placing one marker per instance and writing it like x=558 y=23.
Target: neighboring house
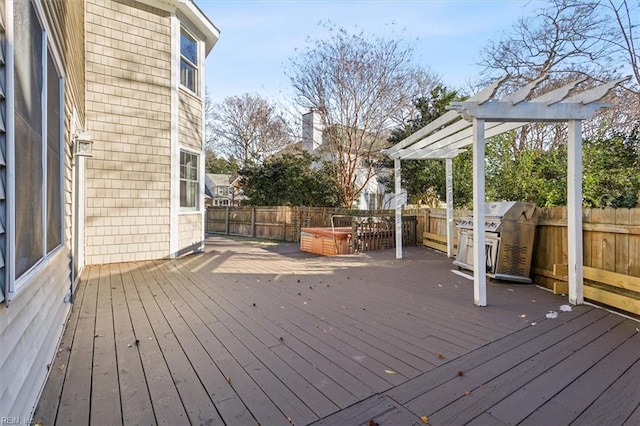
x=126 y=76
x=222 y=190
x=314 y=140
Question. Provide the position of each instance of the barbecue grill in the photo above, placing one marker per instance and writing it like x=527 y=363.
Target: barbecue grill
x=510 y=229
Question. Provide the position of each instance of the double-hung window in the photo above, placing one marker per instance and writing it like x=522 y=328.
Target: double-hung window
x=189 y=181
x=37 y=144
x=188 y=61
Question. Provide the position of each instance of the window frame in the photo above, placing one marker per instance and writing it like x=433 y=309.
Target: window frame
x=195 y=183
x=194 y=66
x=49 y=55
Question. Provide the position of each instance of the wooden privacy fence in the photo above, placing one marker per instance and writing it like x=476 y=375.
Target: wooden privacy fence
x=611 y=252
x=284 y=223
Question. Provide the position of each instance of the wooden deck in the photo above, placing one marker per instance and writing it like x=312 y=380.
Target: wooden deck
x=245 y=335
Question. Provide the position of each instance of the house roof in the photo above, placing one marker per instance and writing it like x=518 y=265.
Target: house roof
x=211 y=180
x=192 y=12
x=219 y=179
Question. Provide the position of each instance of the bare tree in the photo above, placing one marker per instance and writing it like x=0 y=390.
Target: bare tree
x=209 y=125
x=361 y=86
x=248 y=128
x=566 y=40
x=624 y=36
x=563 y=37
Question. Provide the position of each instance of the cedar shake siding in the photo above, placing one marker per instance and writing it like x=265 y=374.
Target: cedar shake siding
x=128 y=112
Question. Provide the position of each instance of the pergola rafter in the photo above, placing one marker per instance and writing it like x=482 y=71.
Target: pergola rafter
x=472 y=121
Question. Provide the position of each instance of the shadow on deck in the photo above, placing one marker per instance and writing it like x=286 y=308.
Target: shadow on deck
x=246 y=335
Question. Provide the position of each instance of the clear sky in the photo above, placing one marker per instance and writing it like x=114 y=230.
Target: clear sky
x=258 y=37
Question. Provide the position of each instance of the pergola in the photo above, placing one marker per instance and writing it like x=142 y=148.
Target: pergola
x=480 y=117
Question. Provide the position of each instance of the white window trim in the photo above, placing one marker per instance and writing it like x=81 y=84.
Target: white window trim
x=14 y=285
x=197 y=67
x=200 y=195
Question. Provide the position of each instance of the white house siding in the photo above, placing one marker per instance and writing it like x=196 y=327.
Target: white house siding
x=30 y=330
x=129 y=116
x=32 y=324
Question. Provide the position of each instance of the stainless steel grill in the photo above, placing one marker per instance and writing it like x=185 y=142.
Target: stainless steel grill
x=510 y=229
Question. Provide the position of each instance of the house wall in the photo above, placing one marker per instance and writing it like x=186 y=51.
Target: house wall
x=190 y=129
x=190 y=232
x=191 y=224
x=129 y=115
x=31 y=325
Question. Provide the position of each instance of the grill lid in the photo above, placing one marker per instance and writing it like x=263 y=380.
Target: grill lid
x=499 y=211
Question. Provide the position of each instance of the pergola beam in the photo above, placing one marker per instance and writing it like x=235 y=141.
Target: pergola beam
x=482 y=96
x=527 y=111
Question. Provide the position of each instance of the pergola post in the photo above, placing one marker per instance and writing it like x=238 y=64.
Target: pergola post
x=479 y=250
x=398 y=194
x=574 y=212
x=449 y=187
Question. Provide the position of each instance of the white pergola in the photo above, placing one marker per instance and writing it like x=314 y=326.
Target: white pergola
x=479 y=117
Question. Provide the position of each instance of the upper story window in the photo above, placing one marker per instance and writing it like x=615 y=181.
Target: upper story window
x=188 y=62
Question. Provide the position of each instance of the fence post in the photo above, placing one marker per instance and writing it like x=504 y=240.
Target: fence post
x=284 y=229
x=226 y=222
x=253 y=222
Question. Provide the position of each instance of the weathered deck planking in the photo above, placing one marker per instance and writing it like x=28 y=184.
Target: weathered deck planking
x=580 y=394
x=105 y=387
x=244 y=335
x=166 y=402
x=377 y=409
x=537 y=392
x=235 y=370
x=213 y=383
x=503 y=376
x=616 y=404
x=431 y=380
x=197 y=403
x=269 y=307
x=242 y=346
x=74 y=407
x=134 y=396
x=474 y=377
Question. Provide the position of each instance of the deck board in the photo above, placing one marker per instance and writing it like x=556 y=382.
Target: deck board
x=617 y=403
x=74 y=407
x=105 y=387
x=438 y=377
x=134 y=396
x=162 y=317
x=242 y=346
x=580 y=394
x=536 y=393
x=505 y=375
x=268 y=335
x=166 y=402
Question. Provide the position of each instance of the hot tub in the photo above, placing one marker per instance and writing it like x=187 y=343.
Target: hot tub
x=326 y=241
